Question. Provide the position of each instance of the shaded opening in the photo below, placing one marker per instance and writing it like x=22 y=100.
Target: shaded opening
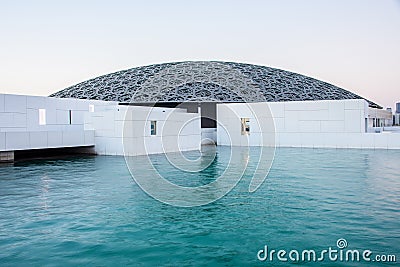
x=208 y=110
x=52 y=153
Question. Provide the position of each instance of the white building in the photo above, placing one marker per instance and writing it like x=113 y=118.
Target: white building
x=179 y=106
x=36 y=122
x=316 y=124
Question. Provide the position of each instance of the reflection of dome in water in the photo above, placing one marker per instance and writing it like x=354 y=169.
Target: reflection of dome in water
x=192 y=80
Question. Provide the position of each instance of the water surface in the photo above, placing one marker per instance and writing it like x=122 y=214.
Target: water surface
x=88 y=211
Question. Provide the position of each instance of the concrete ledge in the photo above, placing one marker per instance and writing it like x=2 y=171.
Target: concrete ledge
x=45 y=139
x=6 y=156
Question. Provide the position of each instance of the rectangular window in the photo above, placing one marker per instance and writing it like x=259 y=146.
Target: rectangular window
x=42 y=116
x=366 y=125
x=245 y=126
x=153 y=128
x=91 y=108
x=70 y=116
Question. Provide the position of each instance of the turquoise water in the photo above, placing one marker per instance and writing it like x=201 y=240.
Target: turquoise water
x=88 y=211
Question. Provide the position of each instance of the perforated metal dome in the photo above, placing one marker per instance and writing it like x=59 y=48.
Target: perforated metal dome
x=194 y=80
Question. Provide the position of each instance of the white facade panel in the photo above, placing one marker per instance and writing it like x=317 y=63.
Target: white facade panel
x=314 y=115
x=54 y=138
x=7 y=120
x=15 y=103
x=382 y=140
x=62 y=116
x=309 y=126
x=354 y=104
x=38 y=140
x=36 y=102
x=73 y=138
x=2 y=103
x=277 y=110
x=17 y=140
x=336 y=111
x=393 y=140
x=292 y=121
x=2 y=141
x=332 y=126
x=77 y=116
x=368 y=141
x=32 y=120
x=89 y=137
x=354 y=120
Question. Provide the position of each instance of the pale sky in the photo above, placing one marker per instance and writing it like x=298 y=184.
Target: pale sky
x=49 y=45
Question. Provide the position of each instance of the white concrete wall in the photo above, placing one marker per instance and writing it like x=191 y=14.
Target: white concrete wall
x=20 y=128
x=125 y=130
x=328 y=123
x=335 y=123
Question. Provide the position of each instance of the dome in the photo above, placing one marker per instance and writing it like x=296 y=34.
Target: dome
x=205 y=81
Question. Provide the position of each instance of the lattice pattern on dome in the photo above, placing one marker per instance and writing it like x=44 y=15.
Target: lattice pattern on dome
x=198 y=91
x=205 y=80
